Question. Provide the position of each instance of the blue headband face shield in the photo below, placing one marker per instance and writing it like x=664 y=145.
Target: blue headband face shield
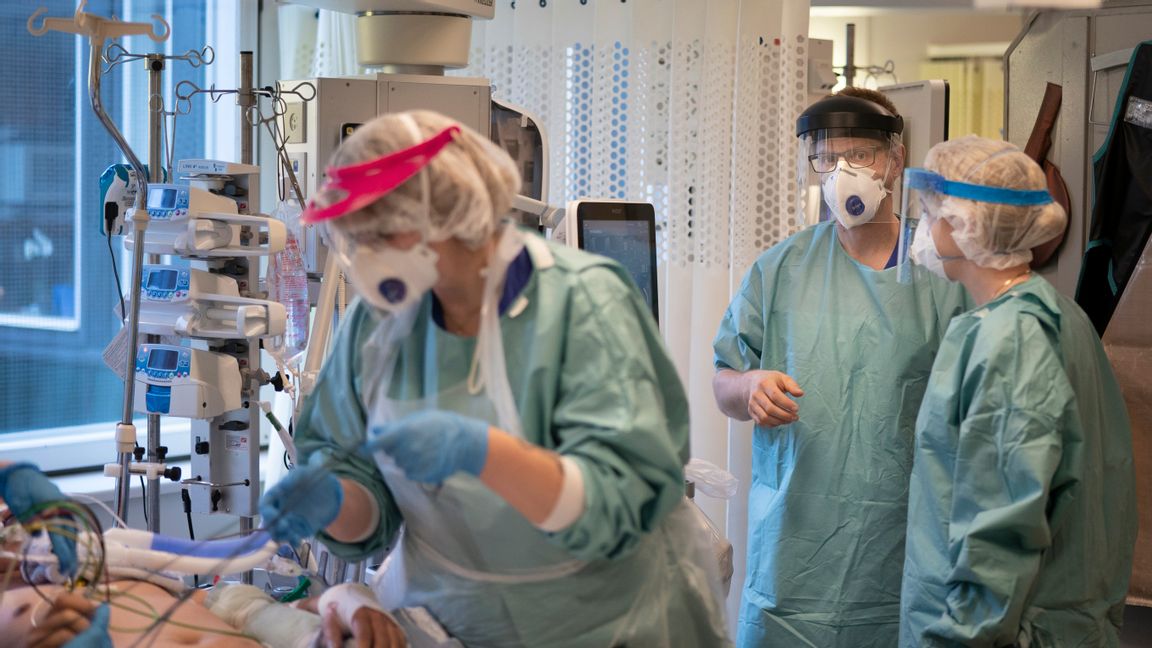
x=925 y=193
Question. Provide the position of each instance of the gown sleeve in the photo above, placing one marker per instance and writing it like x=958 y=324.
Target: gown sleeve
x=621 y=415
x=332 y=427
x=738 y=342
x=1010 y=445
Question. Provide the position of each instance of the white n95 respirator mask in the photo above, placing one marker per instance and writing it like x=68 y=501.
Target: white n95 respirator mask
x=923 y=250
x=392 y=279
x=853 y=195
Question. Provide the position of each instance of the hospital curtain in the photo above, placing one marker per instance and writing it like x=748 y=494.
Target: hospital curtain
x=315 y=42
x=689 y=105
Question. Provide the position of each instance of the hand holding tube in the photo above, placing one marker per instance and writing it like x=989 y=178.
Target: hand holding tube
x=306 y=501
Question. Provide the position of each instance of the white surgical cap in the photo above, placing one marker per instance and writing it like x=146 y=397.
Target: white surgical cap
x=993 y=235
x=471 y=181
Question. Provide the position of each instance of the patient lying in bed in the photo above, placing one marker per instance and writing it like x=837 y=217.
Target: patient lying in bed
x=148 y=614
x=27 y=620
x=227 y=615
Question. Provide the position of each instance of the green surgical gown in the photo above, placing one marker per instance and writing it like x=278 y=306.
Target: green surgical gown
x=827 y=504
x=591 y=380
x=1022 y=517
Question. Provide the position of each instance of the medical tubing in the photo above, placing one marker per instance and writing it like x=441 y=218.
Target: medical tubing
x=92 y=500
x=331 y=461
x=83 y=520
x=285 y=436
x=116 y=271
x=229 y=550
x=322 y=324
x=223 y=548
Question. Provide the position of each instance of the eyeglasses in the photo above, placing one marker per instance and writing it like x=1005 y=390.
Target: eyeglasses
x=858 y=158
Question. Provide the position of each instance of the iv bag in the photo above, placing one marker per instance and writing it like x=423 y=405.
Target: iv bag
x=287 y=283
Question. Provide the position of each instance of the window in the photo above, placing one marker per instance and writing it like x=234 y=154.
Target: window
x=57 y=282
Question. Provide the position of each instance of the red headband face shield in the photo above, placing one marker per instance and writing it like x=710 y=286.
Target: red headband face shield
x=354 y=187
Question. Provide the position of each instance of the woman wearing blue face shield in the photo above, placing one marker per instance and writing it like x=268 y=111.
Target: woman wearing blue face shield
x=828 y=352
x=505 y=403
x=1022 y=516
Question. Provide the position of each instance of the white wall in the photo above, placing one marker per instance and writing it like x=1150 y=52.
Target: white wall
x=904 y=35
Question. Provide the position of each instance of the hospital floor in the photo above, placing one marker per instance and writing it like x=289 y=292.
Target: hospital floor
x=1137 y=632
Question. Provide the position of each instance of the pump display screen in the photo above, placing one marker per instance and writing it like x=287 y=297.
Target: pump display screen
x=625 y=232
x=162 y=280
x=163 y=359
x=162 y=198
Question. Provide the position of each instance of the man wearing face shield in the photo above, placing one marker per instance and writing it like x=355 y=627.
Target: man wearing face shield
x=827 y=351
x=504 y=402
x=1022 y=512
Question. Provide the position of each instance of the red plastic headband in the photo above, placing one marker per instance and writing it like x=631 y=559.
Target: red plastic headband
x=366 y=182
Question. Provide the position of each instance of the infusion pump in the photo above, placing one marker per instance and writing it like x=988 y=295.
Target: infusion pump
x=182 y=381
x=197 y=303
x=194 y=222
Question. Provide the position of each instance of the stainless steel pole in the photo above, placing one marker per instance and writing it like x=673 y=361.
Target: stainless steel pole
x=850 y=55
x=155 y=63
x=246 y=100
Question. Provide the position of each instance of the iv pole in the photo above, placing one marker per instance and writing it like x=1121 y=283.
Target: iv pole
x=98 y=30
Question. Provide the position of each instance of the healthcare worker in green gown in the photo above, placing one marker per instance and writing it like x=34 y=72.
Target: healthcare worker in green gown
x=828 y=352
x=499 y=408
x=1022 y=517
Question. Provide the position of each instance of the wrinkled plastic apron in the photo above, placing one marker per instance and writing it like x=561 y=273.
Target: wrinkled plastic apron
x=487 y=574
x=460 y=532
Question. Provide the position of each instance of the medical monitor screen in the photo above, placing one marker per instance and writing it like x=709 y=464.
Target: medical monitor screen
x=162 y=199
x=163 y=359
x=162 y=280
x=625 y=232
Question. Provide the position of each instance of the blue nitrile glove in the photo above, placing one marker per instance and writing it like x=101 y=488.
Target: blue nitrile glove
x=96 y=636
x=25 y=489
x=301 y=504
x=432 y=446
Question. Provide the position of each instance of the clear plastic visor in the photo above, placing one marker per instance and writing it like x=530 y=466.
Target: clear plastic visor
x=924 y=192
x=345 y=244
x=858 y=150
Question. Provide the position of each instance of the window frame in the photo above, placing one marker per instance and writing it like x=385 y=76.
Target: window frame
x=69 y=449
x=56 y=322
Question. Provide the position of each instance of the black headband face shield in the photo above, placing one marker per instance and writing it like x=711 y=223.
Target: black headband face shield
x=847 y=159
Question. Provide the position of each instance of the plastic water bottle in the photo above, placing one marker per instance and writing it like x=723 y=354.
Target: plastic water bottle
x=288 y=284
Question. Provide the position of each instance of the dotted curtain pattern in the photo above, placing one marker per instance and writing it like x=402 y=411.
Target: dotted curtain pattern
x=687 y=104
x=333 y=56
x=700 y=126
x=296 y=28
x=767 y=204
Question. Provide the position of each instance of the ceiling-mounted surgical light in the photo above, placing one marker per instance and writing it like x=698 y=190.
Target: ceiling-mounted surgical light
x=420 y=36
